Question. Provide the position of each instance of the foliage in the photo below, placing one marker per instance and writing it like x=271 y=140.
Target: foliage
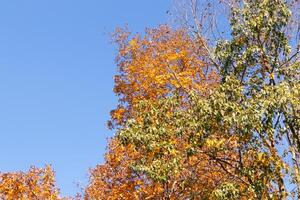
x=261 y=57
x=227 y=127
x=226 y=192
x=164 y=62
x=259 y=44
x=197 y=121
x=34 y=184
x=247 y=128
x=117 y=180
x=154 y=66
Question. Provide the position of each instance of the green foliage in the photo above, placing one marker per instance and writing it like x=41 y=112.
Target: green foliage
x=227 y=113
x=227 y=191
x=258 y=41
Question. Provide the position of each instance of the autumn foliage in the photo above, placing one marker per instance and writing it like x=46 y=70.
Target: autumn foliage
x=196 y=120
x=34 y=184
x=190 y=114
x=160 y=64
x=116 y=179
x=157 y=64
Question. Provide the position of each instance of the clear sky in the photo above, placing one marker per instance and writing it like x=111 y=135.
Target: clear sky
x=56 y=69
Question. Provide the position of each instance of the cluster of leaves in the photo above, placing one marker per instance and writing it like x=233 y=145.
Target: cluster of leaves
x=156 y=65
x=34 y=184
x=258 y=41
x=116 y=179
x=234 y=131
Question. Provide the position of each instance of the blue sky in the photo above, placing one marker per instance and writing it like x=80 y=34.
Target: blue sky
x=56 y=69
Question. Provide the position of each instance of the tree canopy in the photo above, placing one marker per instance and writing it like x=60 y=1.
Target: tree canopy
x=199 y=116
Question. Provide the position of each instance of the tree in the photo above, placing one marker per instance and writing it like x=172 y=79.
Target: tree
x=34 y=184
x=162 y=63
x=198 y=119
x=260 y=55
x=247 y=128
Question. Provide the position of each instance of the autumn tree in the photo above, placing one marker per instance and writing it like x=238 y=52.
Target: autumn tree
x=35 y=184
x=201 y=114
x=246 y=129
x=163 y=63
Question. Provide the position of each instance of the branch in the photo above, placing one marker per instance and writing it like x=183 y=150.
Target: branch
x=288 y=60
x=198 y=32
